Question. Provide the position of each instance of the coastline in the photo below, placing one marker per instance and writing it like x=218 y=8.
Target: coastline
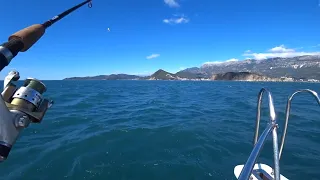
x=162 y=75
x=190 y=80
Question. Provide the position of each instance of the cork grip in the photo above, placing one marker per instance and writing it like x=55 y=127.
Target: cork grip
x=29 y=35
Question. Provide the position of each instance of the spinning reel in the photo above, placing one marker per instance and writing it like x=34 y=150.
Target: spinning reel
x=18 y=108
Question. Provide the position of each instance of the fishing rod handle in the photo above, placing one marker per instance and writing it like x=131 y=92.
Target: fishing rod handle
x=5 y=57
x=20 y=41
x=28 y=36
x=8 y=51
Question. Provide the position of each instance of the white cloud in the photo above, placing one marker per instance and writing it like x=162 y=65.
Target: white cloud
x=261 y=56
x=213 y=62
x=232 y=60
x=152 y=56
x=179 y=20
x=171 y=3
x=279 y=51
x=219 y=62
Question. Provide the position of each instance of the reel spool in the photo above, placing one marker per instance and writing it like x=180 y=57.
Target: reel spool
x=28 y=98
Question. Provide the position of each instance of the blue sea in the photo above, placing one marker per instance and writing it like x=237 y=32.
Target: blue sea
x=162 y=130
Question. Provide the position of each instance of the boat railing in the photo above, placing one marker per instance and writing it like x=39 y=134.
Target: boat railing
x=288 y=108
x=271 y=127
x=258 y=143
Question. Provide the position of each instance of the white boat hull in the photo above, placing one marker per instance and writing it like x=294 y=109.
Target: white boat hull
x=259 y=171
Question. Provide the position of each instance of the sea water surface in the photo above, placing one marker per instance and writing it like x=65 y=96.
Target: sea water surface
x=141 y=130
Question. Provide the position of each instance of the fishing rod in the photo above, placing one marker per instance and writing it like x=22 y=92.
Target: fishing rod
x=22 y=40
x=21 y=106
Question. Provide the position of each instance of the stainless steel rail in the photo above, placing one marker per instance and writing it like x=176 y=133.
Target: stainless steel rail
x=288 y=108
x=258 y=143
x=272 y=127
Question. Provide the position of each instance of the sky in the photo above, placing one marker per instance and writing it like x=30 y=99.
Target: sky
x=147 y=35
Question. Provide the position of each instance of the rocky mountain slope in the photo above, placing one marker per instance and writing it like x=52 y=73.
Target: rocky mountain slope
x=242 y=76
x=302 y=67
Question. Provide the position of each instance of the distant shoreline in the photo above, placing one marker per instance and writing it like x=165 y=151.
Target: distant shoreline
x=183 y=80
x=292 y=69
x=188 y=76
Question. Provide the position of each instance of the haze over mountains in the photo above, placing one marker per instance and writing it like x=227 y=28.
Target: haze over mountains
x=302 y=67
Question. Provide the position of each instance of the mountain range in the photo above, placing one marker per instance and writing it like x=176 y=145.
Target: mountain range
x=301 y=67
